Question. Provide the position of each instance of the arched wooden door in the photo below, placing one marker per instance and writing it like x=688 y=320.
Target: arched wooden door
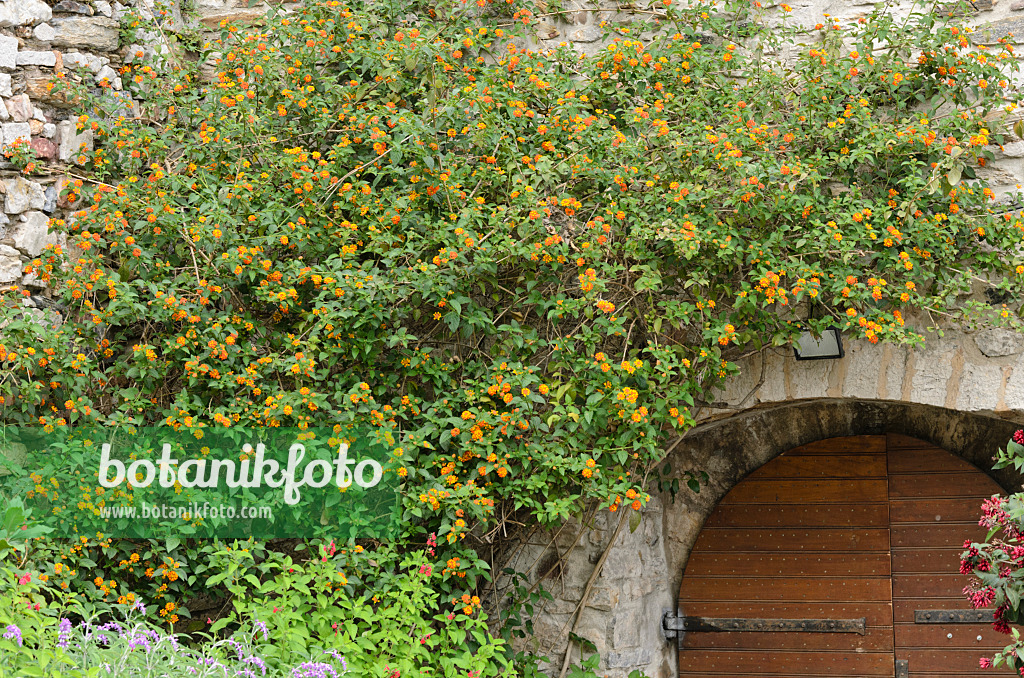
x=826 y=535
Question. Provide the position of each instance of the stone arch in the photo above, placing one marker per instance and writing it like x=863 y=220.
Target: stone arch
x=731 y=448
x=643 y=571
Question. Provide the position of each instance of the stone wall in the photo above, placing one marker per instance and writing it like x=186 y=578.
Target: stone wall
x=84 y=41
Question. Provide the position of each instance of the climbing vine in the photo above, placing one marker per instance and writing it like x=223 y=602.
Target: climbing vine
x=531 y=268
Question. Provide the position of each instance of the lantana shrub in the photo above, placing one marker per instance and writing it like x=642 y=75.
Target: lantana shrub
x=526 y=269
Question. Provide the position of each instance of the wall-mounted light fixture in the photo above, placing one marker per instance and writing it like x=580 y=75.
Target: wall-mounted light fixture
x=828 y=347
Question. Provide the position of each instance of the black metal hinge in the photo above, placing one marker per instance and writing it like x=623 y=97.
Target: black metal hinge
x=674 y=625
x=952 y=616
x=902 y=668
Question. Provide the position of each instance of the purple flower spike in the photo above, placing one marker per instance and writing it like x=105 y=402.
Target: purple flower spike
x=65 y=633
x=314 y=670
x=13 y=633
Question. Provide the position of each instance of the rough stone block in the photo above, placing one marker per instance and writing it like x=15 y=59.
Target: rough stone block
x=44 y=32
x=37 y=87
x=932 y=370
x=998 y=342
x=774 y=387
x=10 y=264
x=863 y=362
x=71 y=142
x=29 y=58
x=20 y=108
x=1014 y=396
x=31 y=235
x=72 y=7
x=44 y=148
x=979 y=387
x=8 y=53
x=22 y=194
x=23 y=12
x=990 y=33
x=16 y=130
x=90 y=33
x=626 y=627
x=587 y=34
x=240 y=16
x=640 y=657
x=811 y=377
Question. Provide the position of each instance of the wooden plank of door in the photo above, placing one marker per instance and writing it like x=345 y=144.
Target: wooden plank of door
x=958 y=510
x=910 y=635
x=842 y=445
x=799 y=515
x=790 y=564
x=817 y=491
x=797 y=540
x=787 y=663
x=924 y=560
x=823 y=466
x=942 y=485
x=792 y=589
x=936 y=535
x=878 y=638
x=927 y=586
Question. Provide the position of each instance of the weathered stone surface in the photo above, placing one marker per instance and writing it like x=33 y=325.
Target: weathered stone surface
x=109 y=75
x=546 y=31
x=587 y=34
x=16 y=130
x=70 y=142
x=640 y=656
x=104 y=8
x=997 y=176
x=35 y=127
x=44 y=148
x=51 y=199
x=774 y=387
x=999 y=342
x=1017 y=6
x=49 y=130
x=62 y=198
x=90 y=61
x=8 y=52
x=991 y=32
x=979 y=387
x=31 y=234
x=32 y=280
x=242 y=17
x=23 y=12
x=741 y=385
x=932 y=369
x=20 y=108
x=811 y=377
x=5 y=84
x=862 y=371
x=37 y=87
x=627 y=625
x=72 y=7
x=23 y=195
x=44 y=32
x=29 y=58
x=92 y=33
x=10 y=264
